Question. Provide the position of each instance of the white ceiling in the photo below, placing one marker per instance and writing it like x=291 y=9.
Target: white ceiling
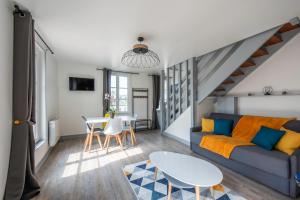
x=98 y=32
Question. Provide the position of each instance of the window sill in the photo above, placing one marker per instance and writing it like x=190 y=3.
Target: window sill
x=39 y=144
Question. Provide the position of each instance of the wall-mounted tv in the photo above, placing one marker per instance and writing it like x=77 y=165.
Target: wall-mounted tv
x=81 y=84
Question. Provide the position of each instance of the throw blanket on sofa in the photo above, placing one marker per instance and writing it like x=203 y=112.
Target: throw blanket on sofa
x=242 y=135
x=248 y=126
x=221 y=144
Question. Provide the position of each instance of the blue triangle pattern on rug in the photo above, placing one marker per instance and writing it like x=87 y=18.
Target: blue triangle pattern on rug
x=152 y=169
x=224 y=197
x=143 y=166
x=156 y=195
x=146 y=188
x=163 y=181
x=137 y=181
x=149 y=186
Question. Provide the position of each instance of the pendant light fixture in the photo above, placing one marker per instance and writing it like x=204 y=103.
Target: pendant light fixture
x=140 y=56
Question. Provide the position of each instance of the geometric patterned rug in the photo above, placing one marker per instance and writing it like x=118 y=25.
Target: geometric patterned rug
x=141 y=179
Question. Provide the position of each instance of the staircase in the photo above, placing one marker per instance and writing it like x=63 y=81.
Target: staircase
x=214 y=74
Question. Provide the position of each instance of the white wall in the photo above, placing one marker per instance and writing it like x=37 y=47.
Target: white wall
x=51 y=102
x=282 y=73
x=6 y=58
x=74 y=104
x=181 y=127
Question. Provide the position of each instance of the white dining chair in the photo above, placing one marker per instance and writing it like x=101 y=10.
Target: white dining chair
x=113 y=129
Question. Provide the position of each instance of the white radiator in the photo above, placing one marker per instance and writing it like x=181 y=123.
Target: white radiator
x=53 y=132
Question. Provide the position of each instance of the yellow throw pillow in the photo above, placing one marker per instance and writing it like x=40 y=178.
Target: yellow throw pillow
x=207 y=125
x=289 y=142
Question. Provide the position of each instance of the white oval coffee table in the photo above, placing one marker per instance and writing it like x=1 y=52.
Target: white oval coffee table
x=185 y=171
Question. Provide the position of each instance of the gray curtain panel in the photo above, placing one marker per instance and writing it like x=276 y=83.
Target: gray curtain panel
x=21 y=182
x=106 y=88
x=156 y=96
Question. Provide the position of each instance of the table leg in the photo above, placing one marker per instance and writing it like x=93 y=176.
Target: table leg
x=197 y=189
x=91 y=137
x=155 y=173
x=87 y=139
x=170 y=191
x=212 y=192
x=99 y=141
x=108 y=141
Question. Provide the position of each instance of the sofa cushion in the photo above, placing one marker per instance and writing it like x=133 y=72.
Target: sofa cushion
x=223 y=127
x=267 y=137
x=274 y=162
x=293 y=125
x=289 y=142
x=207 y=125
x=196 y=137
x=233 y=117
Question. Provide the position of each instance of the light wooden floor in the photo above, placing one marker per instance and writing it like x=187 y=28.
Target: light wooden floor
x=71 y=174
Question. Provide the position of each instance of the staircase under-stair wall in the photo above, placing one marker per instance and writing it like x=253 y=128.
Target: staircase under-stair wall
x=187 y=84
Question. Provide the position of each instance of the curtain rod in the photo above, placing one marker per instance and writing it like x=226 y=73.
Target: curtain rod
x=121 y=72
x=44 y=41
x=21 y=12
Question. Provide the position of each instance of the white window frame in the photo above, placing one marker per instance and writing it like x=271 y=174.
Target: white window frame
x=117 y=75
x=40 y=128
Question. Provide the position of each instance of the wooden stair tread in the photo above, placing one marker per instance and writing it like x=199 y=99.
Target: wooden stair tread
x=288 y=27
x=248 y=63
x=275 y=39
x=228 y=81
x=260 y=52
x=220 y=89
x=238 y=73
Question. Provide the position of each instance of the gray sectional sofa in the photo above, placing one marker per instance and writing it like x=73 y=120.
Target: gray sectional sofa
x=272 y=168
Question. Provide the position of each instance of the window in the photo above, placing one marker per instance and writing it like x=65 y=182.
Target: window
x=40 y=127
x=119 y=92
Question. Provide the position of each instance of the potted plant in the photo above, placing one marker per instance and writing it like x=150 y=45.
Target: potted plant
x=111 y=110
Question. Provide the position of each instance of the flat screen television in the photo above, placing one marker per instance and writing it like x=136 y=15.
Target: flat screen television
x=81 y=84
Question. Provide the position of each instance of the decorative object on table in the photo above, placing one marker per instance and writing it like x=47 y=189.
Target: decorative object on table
x=284 y=92
x=140 y=56
x=111 y=110
x=141 y=179
x=268 y=90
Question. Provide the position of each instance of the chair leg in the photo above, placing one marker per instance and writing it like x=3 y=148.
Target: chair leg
x=117 y=141
x=120 y=142
x=132 y=135
x=105 y=141
x=99 y=141
x=87 y=139
x=108 y=141
x=91 y=140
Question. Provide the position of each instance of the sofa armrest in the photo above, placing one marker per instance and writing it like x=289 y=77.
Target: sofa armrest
x=295 y=168
x=196 y=129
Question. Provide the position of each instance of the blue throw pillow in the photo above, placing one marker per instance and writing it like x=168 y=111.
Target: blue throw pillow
x=223 y=127
x=267 y=138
